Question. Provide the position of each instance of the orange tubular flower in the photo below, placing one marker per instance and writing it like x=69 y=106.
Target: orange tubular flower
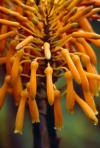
x=57 y=110
x=50 y=91
x=14 y=72
x=17 y=88
x=34 y=112
x=88 y=111
x=93 y=83
x=70 y=92
x=20 y=113
x=88 y=50
x=71 y=65
x=33 y=82
x=8 y=35
x=11 y=51
x=33 y=108
x=3 y=90
x=84 y=83
x=42 y=43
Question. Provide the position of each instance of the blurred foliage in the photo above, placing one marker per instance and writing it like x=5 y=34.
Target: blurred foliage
x=78 y=131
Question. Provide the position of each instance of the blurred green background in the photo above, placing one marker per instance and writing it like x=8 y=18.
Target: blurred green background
x=78 y=131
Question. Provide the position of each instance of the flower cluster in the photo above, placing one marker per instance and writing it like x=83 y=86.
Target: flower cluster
x=39 y=45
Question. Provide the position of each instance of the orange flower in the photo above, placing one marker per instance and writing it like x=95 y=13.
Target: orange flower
x=17 y=88
x=3 y=90
x=39 y=45
x=88 y=111
x=34 y=112
x=92 y=82
x=57 y=110
x=14 y=72
x=49 y=84
x=71 y=65
x=20 y=113
x=70 y=92
x=33 y=82
x=85 y=84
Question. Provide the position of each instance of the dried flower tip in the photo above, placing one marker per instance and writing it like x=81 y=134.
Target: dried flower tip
x=47 y=51
x=24 y=42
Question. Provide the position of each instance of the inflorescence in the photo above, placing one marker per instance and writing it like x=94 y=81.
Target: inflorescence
x=39 y=45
